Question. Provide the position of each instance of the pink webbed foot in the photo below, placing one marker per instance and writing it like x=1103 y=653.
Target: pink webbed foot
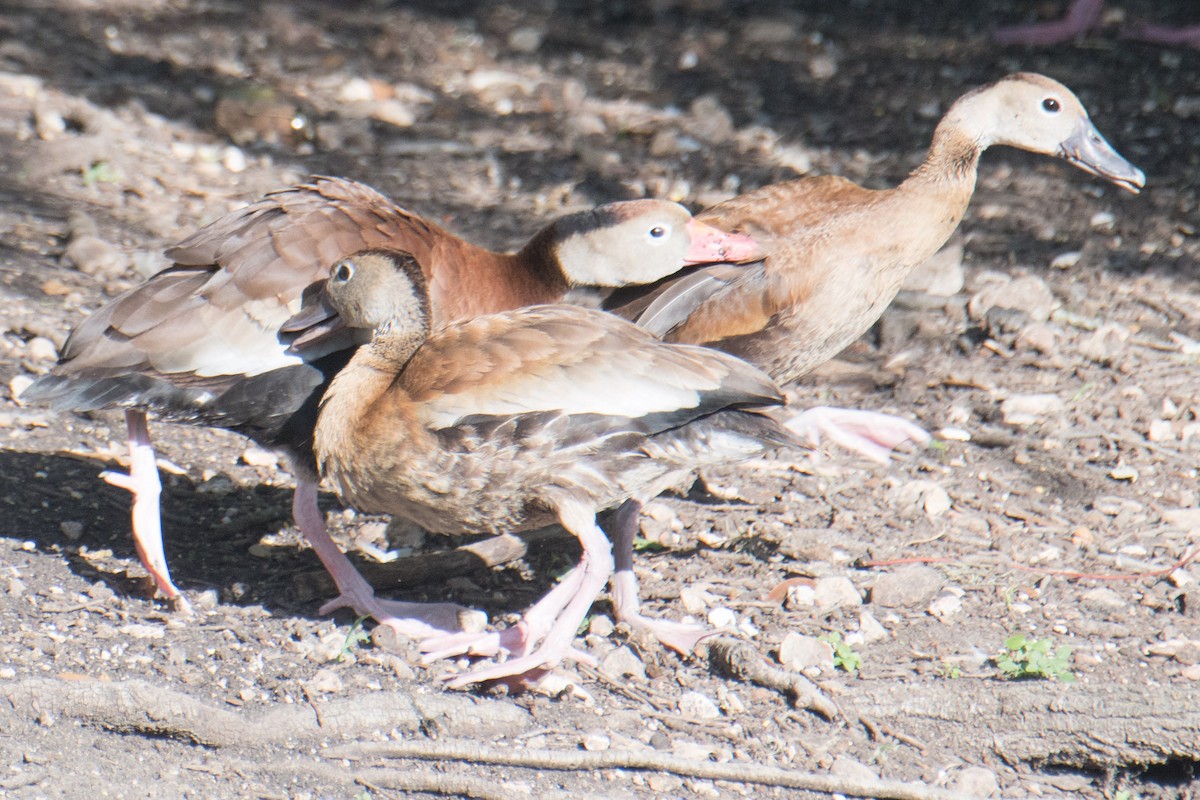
x=143 y=483
x=517 y=640
x=869 y=434
x=417 y=621
x=595 y=567
x=1083 y=16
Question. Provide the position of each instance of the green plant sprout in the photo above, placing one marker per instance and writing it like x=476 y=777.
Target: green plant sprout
x=844 y=656
x=356 y=636
x=1032 y=658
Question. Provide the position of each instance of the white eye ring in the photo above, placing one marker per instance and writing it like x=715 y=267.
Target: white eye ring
x=659 y=232
x=343 y=272
x=1051 y=105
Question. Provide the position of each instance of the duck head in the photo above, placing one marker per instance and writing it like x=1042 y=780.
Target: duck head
x=636 y=242
x=382 y=290
x=1039 y=114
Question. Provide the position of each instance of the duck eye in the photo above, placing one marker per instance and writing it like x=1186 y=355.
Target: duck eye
x=343 y=273
x=1051 y=105
x=658 y=232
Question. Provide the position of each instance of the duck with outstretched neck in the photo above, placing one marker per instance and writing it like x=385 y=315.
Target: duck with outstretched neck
x=838 y=254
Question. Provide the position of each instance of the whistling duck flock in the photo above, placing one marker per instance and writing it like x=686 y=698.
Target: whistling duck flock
x=423 y=377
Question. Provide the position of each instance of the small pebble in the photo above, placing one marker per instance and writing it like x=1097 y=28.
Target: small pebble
x=600 y=625
x=908 y=587
x=324 y=681
x=976 y=782
x=1066 y=260
x=870 y=628
x=1030 y=409
x=39 y=348
x=850 y=769
x=622 y=663
x=946 y=606
x=722 y=617
x=72 y=529
x=596 y=742
x=798 y=652
x=1102 y=599
x=695 y=705
x=835 y=592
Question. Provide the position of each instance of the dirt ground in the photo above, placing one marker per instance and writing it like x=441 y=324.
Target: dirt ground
x=1061 y=503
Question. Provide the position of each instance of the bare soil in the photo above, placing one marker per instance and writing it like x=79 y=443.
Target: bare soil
x=133 y=123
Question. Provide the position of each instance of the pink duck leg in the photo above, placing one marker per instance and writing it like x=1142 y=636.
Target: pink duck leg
x=1161 y=34
x=143 y=483
x=414 y=620
x=595 y=567
x=627 y=605
x=1081 y=18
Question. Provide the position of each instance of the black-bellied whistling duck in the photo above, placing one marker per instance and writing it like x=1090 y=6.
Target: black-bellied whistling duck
x=1083 y=16
x=838 y=253
x=201 y=341
x=514 y=420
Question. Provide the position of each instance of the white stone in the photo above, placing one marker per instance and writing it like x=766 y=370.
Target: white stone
x=623 y=662
x=1028 y=294
x=945 y=606
x=1066 y=260
x=977 y=782
x=695 y=705
x=596 y=741
x=835 y=592
x=799 y=652
x=1161 y=430
x=40 y=348
x=870 y=628
x=1030 y=409
x=722 y=617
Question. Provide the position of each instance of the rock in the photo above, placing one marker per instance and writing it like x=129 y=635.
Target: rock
x=1102 y=599
x=695 y=705
x=72 y=529
x=976 y=782
x=870 y=628
x=945 y=606
x=941 y=274
x=722 y=617
x=908 y=587
x=710 y=121
x=1191 y=673
x=1030 y=409
x=835 y=592
x=1040 y=336
x=1105 y=344
x=1029 y=295
x=324 y=681
x=596 y=741
x=39 y=348
x=601 y=626
x=622 y=663
x=695 y=599
x=851 y=770
x=89 y=253
x=1103 y=221
x=17 y=385
x=526 y=39
x=1182 y=517
x=1161 y=430
x=259 y=457
x=799 y=652
x=1066 y=260
x=920 y=496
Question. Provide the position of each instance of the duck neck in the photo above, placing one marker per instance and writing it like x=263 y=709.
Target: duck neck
x=469 y=281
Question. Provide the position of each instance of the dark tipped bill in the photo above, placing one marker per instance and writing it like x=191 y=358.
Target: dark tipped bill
x=1089 y=151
